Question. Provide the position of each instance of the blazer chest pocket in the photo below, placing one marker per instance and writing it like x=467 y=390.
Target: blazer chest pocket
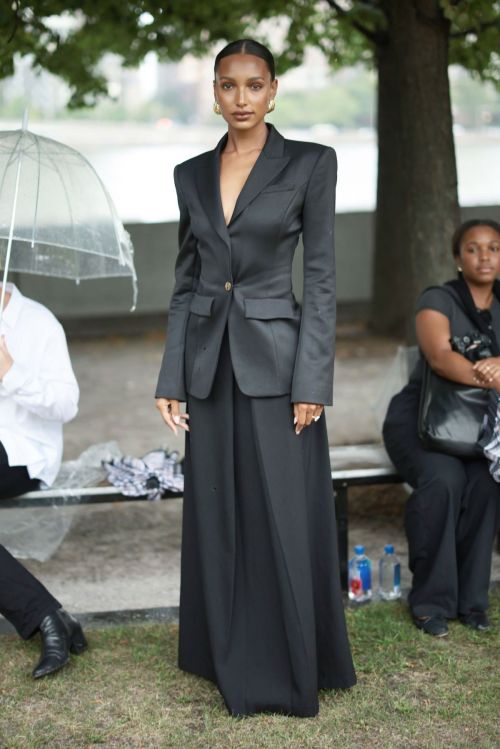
x=271 y=309
x=278 y=188
x=201 y=305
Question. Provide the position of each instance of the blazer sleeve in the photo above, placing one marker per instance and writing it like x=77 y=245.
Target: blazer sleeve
x=313 y=372
x=171 y=382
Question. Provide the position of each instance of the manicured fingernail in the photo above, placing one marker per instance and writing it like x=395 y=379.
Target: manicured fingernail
x=294 y=420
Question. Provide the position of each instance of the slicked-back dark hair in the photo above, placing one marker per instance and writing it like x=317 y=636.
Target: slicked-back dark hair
x=247 y=47
x=464 y=228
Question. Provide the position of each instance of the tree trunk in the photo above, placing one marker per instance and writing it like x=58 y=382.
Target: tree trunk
x=417 y=200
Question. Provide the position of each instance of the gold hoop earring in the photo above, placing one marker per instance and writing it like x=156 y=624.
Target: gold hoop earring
x=272 y=104
x=217 y=108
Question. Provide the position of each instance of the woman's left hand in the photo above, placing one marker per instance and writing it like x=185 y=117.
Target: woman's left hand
x=304 y=414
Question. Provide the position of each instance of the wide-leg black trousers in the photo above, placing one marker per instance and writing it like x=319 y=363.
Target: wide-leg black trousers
x=450 y=518
x=24 y=601
x=261 y=610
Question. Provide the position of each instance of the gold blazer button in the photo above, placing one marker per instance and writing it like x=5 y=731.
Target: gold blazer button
x=228 y=286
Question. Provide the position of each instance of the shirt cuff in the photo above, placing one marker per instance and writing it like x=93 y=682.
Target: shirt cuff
x=15 y=378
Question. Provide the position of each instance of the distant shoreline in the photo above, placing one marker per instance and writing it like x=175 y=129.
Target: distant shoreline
x=136 y=162
x=90 y=134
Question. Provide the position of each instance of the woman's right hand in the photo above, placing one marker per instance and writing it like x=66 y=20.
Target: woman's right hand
x=170 y=410
x=488 y=372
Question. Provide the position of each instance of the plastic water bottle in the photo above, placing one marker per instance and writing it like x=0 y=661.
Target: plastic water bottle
x=360 y=576
x=389 y=575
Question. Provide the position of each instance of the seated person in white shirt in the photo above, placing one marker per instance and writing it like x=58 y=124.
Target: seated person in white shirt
x=38 y=394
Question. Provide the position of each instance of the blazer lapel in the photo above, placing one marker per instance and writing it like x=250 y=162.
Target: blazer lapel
x=270 y=163
x=209 y=190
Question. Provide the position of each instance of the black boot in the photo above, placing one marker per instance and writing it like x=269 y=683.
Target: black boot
x=60 y=635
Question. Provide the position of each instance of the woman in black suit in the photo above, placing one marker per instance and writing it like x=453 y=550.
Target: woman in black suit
x=261 y=607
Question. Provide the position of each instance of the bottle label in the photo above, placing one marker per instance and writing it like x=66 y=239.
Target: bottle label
x=365 y=574
x=356 y=586
x=397 y=575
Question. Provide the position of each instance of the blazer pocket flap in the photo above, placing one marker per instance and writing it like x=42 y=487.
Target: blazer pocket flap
x=278 y=188
x=269 y=309
x=201 y=305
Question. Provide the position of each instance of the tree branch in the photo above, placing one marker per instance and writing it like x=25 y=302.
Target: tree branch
x=475 y=29
x=376 y=37
x=15 y=9
x=428 y=19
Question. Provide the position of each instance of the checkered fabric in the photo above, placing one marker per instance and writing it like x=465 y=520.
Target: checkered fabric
x=155 y=473
x=490 y=441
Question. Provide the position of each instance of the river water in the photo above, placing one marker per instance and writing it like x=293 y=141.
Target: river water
x=136 y=161
x=140 y=181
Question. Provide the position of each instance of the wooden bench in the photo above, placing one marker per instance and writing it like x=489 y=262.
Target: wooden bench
x=349 y=468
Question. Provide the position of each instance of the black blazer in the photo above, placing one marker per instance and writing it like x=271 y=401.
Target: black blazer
x=240 y=275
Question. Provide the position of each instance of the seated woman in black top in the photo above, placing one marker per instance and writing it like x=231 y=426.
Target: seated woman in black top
x=450 y=518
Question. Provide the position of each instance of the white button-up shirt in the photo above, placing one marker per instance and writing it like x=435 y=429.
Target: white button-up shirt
x=39 y=393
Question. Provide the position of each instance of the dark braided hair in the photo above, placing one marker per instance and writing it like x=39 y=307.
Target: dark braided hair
x=247 y=47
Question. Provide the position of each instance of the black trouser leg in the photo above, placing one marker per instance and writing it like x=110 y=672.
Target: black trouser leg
x=431 y=518
x=476 y=536
x=449 y=519
x=24 y=601
x=14 y=480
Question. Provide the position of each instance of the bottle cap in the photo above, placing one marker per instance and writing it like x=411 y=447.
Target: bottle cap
x=359 y=549
x=389 y=549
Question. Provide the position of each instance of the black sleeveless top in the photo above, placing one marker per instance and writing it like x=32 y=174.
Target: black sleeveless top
x=449 y=304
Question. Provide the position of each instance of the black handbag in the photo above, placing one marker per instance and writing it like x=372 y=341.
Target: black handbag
x=453 y=417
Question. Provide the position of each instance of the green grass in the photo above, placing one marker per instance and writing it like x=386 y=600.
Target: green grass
x=126 y=692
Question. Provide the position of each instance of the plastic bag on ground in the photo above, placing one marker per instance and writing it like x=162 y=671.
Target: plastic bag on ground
x=37 y=533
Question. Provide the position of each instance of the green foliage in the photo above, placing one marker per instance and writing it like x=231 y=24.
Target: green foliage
x=475 y=36
x=347 y=33
x=475 y=104
x=171 y=104
x=346 y=102
x=91 y=29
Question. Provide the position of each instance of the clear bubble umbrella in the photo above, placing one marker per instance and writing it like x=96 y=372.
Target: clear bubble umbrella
x=56 y=216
